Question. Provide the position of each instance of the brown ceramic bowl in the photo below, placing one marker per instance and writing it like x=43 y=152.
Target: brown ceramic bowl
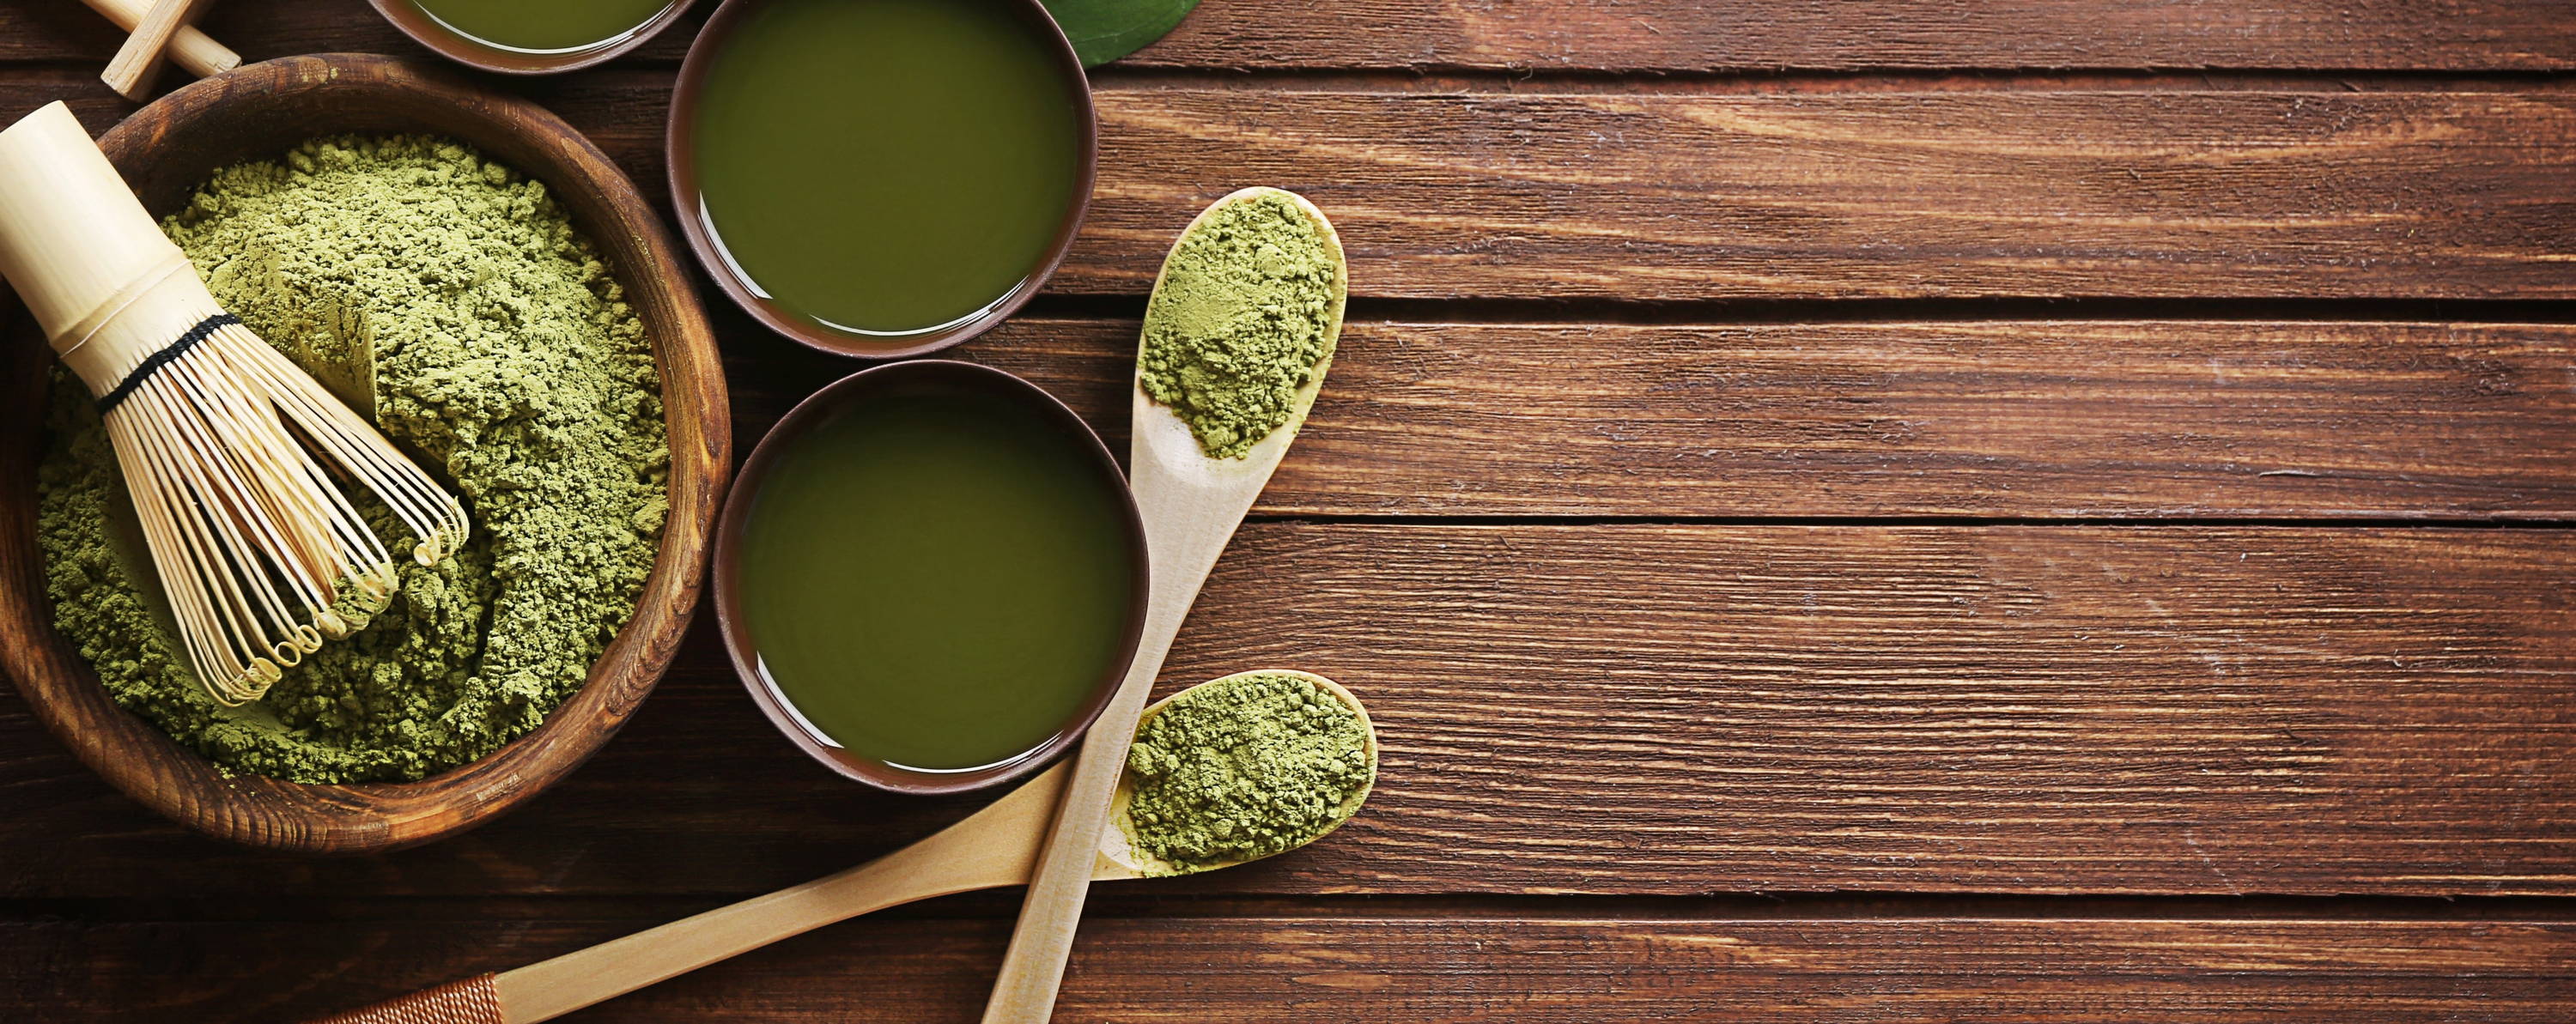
x=476 y=53
x=165 y=150
x=678 y=154
x=934 y=376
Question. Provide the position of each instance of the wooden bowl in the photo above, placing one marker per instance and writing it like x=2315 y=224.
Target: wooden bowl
x=476 y=53
x=165 y=150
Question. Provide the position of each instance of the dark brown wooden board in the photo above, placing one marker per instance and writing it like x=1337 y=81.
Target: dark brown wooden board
x=1712 y=669
x=1301 y=970
x=1685 y=197
x=2064 y=419
x=1653 y=710
x=1634 y=35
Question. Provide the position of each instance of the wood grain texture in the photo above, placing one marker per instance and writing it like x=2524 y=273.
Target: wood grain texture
x=1375 y=969
x=1681 y=710
x=1951 y=195
x=162 y=152
x=1639 y=35
x=1683 y=198
x=2068 y=419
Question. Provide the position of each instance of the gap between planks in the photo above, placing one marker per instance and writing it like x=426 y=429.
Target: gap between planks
x=81 y=73
x=1997 y=309
x=1142 y=902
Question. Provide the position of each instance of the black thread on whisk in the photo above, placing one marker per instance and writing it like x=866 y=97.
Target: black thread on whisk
x=157 y=360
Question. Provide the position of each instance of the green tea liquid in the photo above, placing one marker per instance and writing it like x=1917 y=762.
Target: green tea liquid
x=542 y=26
x=886 y=167
x=936 y=581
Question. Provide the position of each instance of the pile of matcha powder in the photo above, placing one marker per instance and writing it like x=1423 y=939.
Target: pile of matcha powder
x=1245 y=767
x=450 y=298
x=1246 y=313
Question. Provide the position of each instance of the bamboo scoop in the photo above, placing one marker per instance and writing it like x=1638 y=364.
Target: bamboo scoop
x=1191 y=505
x=189 y=48
x=996 y=847
x=138 y=63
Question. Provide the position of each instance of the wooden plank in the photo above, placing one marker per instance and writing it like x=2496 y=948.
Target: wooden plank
x=1635 y=35
x=1308 y=969
x=1648 y=710
x=1684 y=197
x=1950 y=195
x=2069 y=419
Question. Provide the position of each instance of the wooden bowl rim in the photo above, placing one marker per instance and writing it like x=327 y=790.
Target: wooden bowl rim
x=138 y=758
x=412 y=21
x=681 y=169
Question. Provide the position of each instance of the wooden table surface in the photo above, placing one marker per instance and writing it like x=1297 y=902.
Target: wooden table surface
x=2034 y=510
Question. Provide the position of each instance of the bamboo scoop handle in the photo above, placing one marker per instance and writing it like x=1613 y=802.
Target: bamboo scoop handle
x=193 y=50
x=138 y=62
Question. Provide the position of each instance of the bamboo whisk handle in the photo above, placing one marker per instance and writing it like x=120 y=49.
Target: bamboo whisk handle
x=471 y=1001
x=73 y=239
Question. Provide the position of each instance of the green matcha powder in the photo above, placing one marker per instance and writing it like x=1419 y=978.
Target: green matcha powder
x=1244 y=317
x=1245 y=768
x=451 y=298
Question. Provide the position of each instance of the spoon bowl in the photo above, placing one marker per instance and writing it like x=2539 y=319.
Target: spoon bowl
x=1165 y=450
x=1119 y=857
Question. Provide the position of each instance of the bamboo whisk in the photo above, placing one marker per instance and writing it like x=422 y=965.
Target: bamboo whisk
x=214 y=431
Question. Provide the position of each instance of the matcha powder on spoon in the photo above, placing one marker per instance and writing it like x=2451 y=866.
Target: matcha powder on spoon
x=1244 y=316
x=1245 y=767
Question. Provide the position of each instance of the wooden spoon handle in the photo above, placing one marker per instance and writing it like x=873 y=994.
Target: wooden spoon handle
x=994 y=847
x=1185 y=531
x=138 y=62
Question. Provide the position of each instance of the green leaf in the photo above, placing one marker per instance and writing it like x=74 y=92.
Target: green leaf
x=1105 y=30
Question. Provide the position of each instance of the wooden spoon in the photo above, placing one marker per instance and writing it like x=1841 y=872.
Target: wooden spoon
x=1191 y=504
x=995 y=847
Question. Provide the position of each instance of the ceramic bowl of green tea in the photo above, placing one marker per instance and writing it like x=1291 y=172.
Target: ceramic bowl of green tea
x=931 y=576
x=531 y=37
x=881 y=178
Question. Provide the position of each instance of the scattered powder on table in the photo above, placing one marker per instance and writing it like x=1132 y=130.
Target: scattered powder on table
x=450 y=298
x=1244 y=768
x=1246 y=314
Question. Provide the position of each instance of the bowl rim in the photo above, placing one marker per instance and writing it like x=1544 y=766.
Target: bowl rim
x=413 y=21
x=376 y=93
x=680 y=165
x=954 y=375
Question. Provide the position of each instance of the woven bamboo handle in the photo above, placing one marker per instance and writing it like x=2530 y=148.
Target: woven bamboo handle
x=471 y=1001
x=194 y=51
x=138 y=62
